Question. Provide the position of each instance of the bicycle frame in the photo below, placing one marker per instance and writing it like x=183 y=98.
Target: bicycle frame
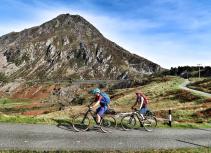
x=91 y=113
x=137 y=114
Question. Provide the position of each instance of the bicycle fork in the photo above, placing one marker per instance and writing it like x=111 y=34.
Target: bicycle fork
x=131 y=119
x=84 y=117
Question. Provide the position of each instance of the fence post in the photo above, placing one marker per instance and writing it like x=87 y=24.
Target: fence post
x=170 y=117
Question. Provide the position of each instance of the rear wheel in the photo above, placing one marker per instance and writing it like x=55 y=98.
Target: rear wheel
x=149 y=123
x=107 y=123
x=128 y=122
x=81 y=122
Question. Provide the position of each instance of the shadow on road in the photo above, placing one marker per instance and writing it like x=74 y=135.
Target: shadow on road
x=63 y=124
x=67 y=125
x=195 y=144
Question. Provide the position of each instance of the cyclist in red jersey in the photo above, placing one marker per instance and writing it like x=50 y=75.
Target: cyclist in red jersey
x=142 y=101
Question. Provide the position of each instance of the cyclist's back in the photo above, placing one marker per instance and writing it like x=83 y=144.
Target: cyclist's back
x=142 y=101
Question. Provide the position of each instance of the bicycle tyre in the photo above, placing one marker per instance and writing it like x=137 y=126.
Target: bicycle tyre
x=128 y=122
x=107 y=122
x=81 y=122
x=149 y=123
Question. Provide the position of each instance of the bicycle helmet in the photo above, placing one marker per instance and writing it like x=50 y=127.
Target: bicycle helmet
x=96 y=90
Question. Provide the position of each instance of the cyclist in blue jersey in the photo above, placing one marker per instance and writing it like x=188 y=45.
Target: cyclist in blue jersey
x=101 y=99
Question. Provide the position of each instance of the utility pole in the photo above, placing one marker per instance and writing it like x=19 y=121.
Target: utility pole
x=170 y=118
x=199 y=69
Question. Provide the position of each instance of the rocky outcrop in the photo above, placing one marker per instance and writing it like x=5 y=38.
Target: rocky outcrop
x=68 y=47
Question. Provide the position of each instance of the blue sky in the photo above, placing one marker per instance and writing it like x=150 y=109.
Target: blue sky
x=168 y=32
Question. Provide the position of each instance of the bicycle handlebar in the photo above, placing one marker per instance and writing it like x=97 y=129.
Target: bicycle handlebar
x=89 y=107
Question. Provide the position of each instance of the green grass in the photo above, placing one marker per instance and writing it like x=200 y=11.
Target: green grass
x=192 y=125
x=153 y=91
x=181 y=150
x=9 y=103
x=183 y=96
x=185 y=115
x=185 y=125
x=23 y=119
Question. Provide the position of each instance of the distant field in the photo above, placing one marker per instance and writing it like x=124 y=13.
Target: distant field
x=19 y=106
x=28 y=100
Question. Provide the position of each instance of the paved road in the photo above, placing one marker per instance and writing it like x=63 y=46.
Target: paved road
x=13 y=136
x=183 y=86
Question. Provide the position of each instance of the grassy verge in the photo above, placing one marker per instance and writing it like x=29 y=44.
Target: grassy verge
x=36 y=120
x=181 y=150
x=185 y=125
x=24 y=119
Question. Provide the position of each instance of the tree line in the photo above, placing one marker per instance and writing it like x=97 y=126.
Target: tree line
x=189 y=71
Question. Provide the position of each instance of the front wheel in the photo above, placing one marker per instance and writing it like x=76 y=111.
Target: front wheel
x=81 y=122
x=128 y=122
x=108 y=122
x=149 y=123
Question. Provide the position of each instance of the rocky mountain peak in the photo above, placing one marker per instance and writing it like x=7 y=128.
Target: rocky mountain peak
x=68 y=46
x=67 y=18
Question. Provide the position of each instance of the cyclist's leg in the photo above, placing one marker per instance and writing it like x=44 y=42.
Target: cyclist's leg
x=98 y=110
x=143 y=111
x=101 y=113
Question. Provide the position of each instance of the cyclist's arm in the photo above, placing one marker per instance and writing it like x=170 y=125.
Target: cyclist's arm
x=96 y=104
x=134 y=104
x=108 y=106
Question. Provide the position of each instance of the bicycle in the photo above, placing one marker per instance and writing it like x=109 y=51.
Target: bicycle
x=148 y=121
x=82 y=121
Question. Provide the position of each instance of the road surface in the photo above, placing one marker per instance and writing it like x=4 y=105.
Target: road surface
x=49 y=137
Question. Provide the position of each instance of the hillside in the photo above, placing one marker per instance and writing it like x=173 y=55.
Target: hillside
x=201 y=85
x=38 y=104
x=68 y=47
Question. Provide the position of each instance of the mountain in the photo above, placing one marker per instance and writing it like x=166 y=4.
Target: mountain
x=68 y=47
